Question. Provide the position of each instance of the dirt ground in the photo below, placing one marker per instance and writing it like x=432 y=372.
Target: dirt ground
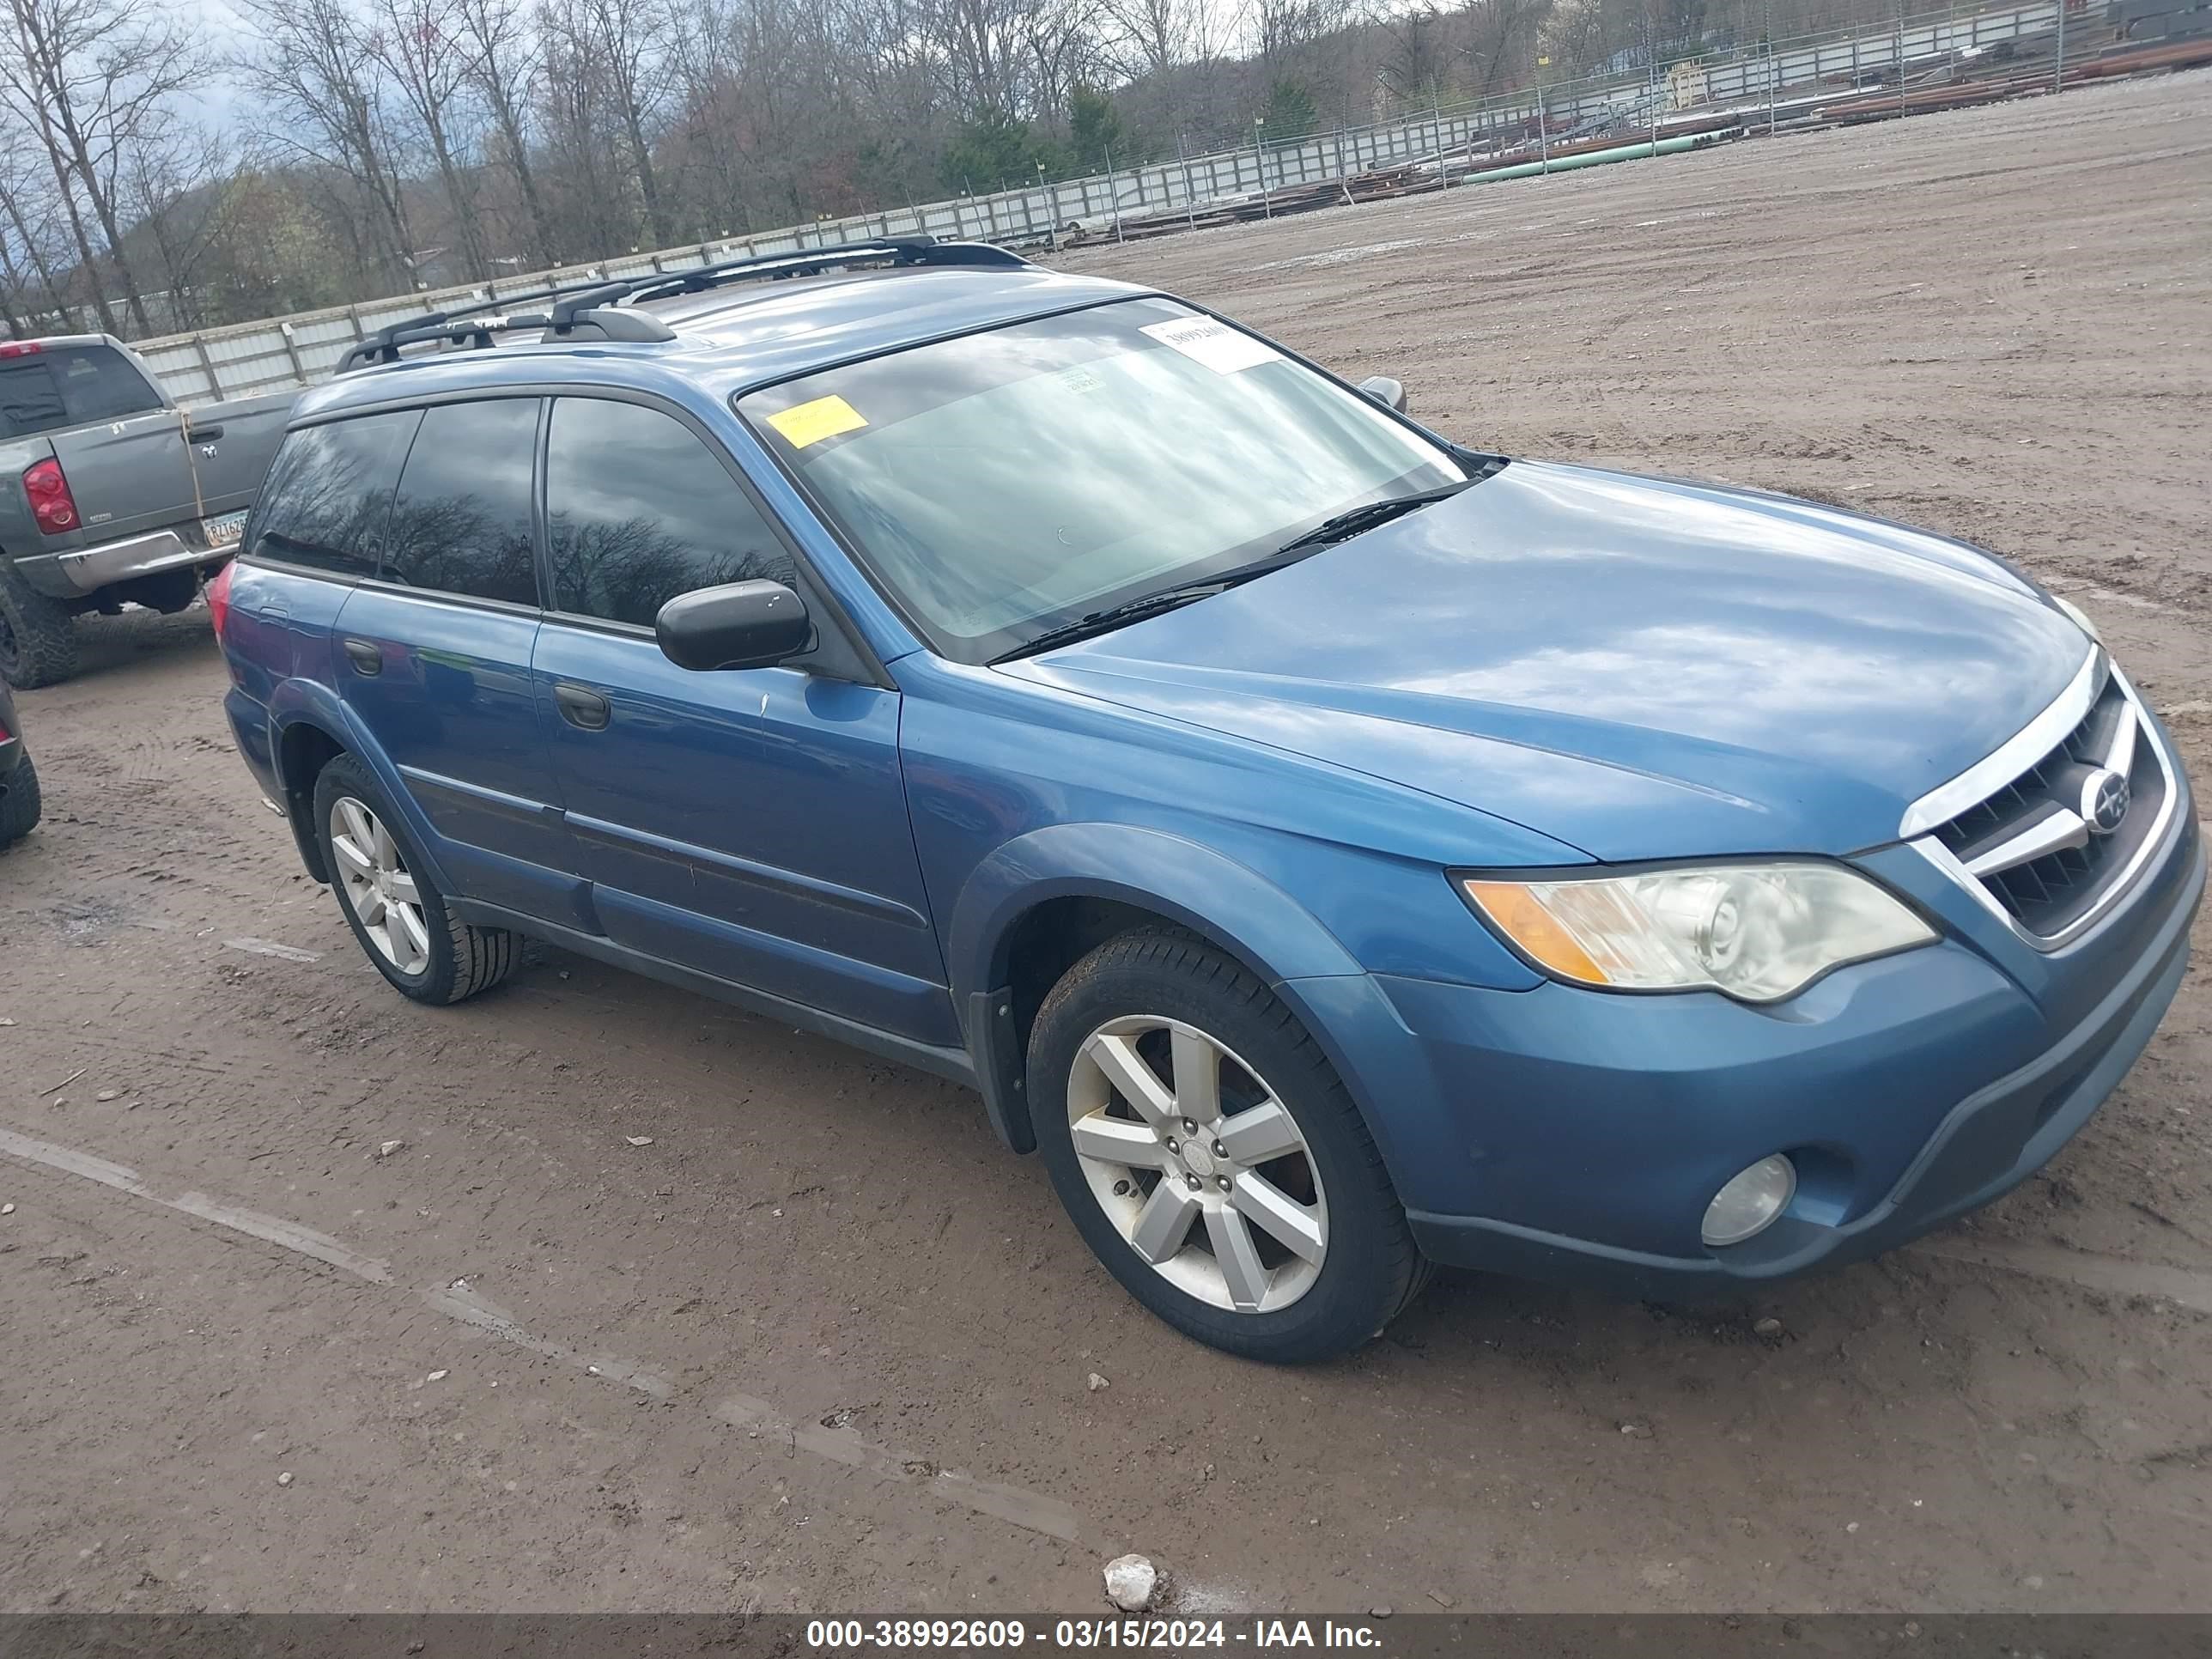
x=656 y=1306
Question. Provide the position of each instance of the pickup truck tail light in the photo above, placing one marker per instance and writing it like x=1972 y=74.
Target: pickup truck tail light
x=51 y=504
x=218 y=599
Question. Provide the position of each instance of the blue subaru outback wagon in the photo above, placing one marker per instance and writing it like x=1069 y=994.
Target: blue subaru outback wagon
x=1333 y=849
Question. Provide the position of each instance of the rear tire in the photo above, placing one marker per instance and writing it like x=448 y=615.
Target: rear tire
x=38 y=635
x=397 y=915
x=20 y=804
x=1272 y=1232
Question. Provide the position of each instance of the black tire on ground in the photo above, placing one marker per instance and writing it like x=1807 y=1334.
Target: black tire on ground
x=1371 y=1270
x=19 y=802
x=462 y=960
x=38 y=635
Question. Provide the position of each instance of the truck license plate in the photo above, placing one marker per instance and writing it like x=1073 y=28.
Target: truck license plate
x=226 y=530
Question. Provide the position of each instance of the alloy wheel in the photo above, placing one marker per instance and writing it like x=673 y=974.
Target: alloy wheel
x=383 y=895
x=1197 y=1164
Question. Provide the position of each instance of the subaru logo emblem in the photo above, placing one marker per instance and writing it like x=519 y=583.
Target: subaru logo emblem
x=2104 y=799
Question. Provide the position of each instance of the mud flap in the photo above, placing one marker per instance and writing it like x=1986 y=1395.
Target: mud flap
x=1001 y=1067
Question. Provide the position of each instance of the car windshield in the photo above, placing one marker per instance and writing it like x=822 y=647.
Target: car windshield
x=1006 y=483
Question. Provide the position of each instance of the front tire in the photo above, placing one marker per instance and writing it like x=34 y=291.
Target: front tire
x=1210 y=1156
x=397 y=913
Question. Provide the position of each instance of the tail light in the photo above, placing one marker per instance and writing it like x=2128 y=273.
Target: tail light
x=51 y=504
x=218 y=599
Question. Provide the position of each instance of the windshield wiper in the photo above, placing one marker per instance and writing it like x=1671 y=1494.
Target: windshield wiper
x=1351 y=522
x=1118 y=616
x=1344 y=525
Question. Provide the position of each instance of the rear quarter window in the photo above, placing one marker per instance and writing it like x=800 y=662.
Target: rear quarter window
x=327 y=501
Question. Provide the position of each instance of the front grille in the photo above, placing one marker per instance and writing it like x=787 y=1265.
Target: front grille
x=2032 y=845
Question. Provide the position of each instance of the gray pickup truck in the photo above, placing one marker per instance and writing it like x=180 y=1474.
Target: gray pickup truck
x=110 y=493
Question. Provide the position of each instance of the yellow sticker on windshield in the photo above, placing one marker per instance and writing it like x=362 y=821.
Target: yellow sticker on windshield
x=810 y=423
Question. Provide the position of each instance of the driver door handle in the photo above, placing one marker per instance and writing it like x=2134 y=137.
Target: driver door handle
x=583 y=708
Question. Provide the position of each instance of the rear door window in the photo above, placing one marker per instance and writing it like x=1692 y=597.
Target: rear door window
x=462 y=522
x=59 y=386
x=328 y=496
x=639 y=510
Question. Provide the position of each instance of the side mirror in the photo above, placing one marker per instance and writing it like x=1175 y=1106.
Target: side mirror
x=1390 y=393
x=739 y=625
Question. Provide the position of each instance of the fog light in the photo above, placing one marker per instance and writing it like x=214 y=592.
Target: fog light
x=1749 y=1204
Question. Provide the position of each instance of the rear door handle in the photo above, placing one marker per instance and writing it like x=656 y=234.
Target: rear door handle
x=580 y=708
x=364 y=656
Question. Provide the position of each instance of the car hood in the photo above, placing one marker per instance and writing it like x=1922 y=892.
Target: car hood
x=1636 y=667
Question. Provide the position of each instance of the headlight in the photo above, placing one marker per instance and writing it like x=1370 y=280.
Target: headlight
x=1757 y=931
x=2080 y=616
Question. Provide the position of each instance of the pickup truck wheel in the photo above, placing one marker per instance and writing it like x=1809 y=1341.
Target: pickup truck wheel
x=19 y=802
x=1210 y=1156
x=38 y=637
x=397 y=914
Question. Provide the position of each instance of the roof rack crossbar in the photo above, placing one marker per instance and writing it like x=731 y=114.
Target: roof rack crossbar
x=633 y=327
x=381 y=342
x=473 y=332
x=565 y=308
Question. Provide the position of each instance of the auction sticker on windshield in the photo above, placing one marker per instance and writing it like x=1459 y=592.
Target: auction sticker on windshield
x=1222 y=349
x=810 y=423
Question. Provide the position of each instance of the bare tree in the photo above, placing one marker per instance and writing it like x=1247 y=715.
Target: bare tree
x=175 y=188
x=589 y=212
x=1277 y=31
x=504 y=58
x=32 y=252
x=1149 y=37
x=325 y=105
x=93 y=80
x=631 y=40
x=429 y=55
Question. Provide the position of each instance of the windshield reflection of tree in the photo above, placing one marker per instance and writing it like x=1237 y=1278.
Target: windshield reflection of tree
x=625 y=569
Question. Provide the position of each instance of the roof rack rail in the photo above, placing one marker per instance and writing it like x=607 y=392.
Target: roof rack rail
x=598 y=306
x=898 y=252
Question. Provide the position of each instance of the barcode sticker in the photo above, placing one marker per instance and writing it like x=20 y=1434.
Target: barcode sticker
x=1222 y=349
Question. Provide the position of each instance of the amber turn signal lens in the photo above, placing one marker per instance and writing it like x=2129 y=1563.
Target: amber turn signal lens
x=1524 y=921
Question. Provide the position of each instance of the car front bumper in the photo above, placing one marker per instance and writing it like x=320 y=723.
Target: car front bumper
x=1577 y=1137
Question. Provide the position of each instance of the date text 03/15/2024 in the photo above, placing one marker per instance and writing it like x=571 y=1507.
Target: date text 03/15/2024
x=1171 y=1634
